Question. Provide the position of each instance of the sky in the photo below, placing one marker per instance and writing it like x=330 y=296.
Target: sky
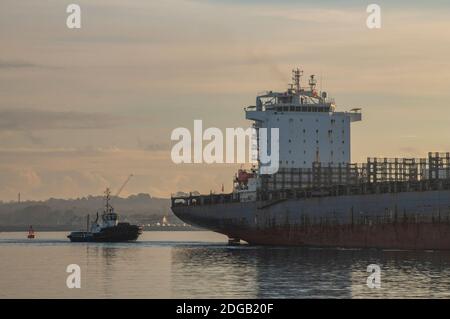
x=81 y=109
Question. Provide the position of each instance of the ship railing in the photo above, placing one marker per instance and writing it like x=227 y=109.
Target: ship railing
x=267 y=194
x=201 y=200
x=270 y=195
x=378 y=175
x=289 y=107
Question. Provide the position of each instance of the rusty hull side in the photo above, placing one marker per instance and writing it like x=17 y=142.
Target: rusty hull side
x=413 y=220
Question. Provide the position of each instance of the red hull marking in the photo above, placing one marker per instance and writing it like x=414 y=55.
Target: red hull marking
x=421 y=236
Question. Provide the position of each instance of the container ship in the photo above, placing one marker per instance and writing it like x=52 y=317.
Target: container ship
x=318 y=197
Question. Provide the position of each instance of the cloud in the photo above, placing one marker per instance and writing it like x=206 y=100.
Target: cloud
x=67 y=173
x=155 y=147
x=33 y=120
x=35 y=140
x=152 y=146
x=30 y=177
x=21 y=64
x=162 y=64
x=16 y=64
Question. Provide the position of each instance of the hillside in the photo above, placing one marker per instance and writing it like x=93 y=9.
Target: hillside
x=141 y=208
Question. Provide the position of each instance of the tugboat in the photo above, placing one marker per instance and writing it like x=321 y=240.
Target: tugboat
x=109 y=229
x=31 y=233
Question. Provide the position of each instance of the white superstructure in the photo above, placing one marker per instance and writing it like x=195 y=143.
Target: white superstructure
x=310 y=130
x=109 y=217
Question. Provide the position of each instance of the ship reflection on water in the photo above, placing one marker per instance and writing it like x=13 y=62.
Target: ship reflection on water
x=200 y=265
x=258 y=272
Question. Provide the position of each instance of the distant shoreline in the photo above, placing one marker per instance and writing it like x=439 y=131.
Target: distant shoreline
x=59 y=228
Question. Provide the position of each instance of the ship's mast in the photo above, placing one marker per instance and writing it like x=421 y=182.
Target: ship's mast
x=108 y=207
x=296 y=75
x=312 y=82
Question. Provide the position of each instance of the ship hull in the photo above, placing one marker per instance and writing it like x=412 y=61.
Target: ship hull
x=409 y=220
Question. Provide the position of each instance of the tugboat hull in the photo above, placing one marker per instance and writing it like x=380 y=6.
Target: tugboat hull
x=80 y=236
x=123 y=232
x=108 y=229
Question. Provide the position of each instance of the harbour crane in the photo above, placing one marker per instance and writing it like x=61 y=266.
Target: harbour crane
x=123 y=185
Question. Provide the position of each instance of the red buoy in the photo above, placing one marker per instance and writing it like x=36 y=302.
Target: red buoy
x=31 y=233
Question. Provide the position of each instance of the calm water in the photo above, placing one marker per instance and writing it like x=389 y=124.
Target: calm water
x=201 y=265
